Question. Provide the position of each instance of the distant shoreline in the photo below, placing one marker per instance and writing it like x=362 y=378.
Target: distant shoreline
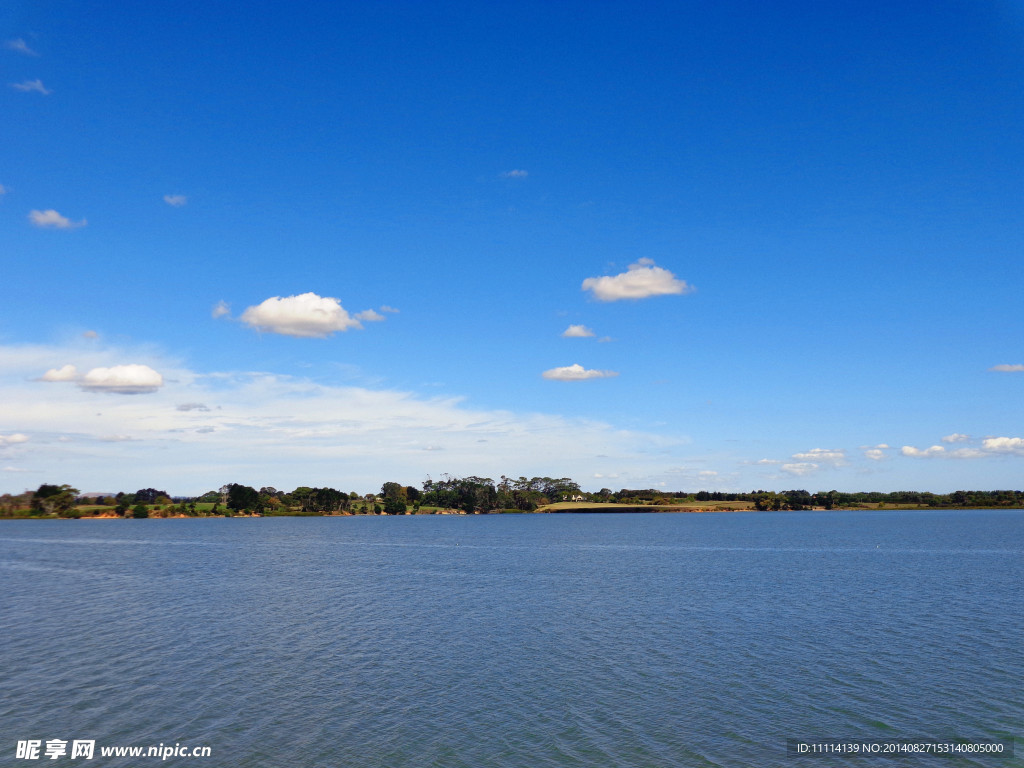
x=562 y=508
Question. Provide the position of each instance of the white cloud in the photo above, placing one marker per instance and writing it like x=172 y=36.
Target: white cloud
x=1014 y=445
x=576 y=372
x=641 y=281
x=386 y=308
x=917 y=453
x=66 y=373
x=767 y=462
x=800 y=468
x=90 y=335
x=14 y=439
x=835 y=457
x=132 y=379
x=220 y=309
x=175 y=201
x=1007 y=368
x=192 y=407
x=266 y=429
x=989 y=447
x=515 y=174
x=306 y=315
x=32 y=85
x=877 y=452
x=20 y=46
x=577 y=332
x=370 y=316
x=50 y=219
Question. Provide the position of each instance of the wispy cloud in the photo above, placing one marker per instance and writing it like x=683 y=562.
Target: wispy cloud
x=306 y=315
x=14 y=439
x=220 y=309
x=576 y=372
x=642 y=280
x=800 y=468
x=832 y=456
x=263 y=428
x=577 y=332
x=515 y=174
x=1007 y=368
x=370 y=316
x=50 y=219
x=386 y=308
x=956 y=437
x=28 y=86
x=175 y=201
x=19 y=45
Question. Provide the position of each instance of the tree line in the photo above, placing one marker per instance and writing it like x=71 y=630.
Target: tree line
x=471 y=495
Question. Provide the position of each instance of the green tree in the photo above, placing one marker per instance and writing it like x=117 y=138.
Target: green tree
x=394 y=506
x=54 y=499
x=140 y=511
x=242 y=497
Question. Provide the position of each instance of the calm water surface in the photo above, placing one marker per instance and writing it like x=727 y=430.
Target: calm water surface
x=520 y=640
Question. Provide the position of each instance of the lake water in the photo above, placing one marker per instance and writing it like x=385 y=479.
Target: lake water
x=515 y=640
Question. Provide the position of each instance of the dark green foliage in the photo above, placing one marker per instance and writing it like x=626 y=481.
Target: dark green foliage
x=242 y=497
x=54 y=499
x=140 y=511
x=149 y=495
x=393 y=506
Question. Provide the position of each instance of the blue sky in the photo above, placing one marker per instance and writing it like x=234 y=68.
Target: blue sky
x=344 y=245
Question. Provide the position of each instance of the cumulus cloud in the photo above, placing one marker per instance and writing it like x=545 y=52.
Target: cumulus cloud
x=132 y=379
x=515 y=174
x=369 y=316
x=14 y=439
x=1014 y=445
x=956 y=437
x=576 y=372
x=19 y=45
x=875 y=453
x=642 y=280
x=220 y=309
x=28 y=86
x=175 y=201
x=50 y=219
x=65 y=373
x=1007 y=368
x=306 y=315
x=577 y=332
x=835 y=457
x=767 y=462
